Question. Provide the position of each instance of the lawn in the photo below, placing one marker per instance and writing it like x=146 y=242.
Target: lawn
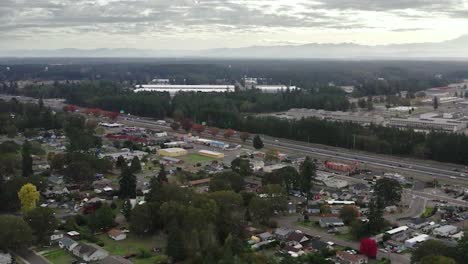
x=58 y=256
x=152 y=260
x=132 y=244
x=193 y=158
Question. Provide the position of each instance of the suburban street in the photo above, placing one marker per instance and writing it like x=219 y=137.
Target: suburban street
x=291 y=222
x=433 y=169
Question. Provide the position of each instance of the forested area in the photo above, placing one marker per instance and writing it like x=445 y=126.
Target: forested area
x=439 y=146
x=370 y=77
x=233 y=110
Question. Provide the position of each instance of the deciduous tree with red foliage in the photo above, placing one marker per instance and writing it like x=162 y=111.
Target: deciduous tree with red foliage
x=198 y=128
x=187 y=124
x=111 y=115
x=213 y=131
x=368 y=247
x=244 y=136
x=70 y=108
x=229 y=133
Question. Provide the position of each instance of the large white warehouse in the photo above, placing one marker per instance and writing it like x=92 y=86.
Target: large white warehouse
x=174 y=88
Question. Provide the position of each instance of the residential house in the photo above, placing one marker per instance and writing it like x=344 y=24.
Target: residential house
x=114 y=260
x=55 y=180
x=344 y=257
x=89 y=252
x=298 y=236
x=67 y=243
x=313 y=209
x=265 y=236
x=418 y=223
x=316 y=245
x=55 y=237
x=359 y=188
x=282 y=233
x=326 y=222
x=117 y=234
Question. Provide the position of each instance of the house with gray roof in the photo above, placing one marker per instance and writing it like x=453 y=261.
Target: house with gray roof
x=67 y=243
x=89 y=252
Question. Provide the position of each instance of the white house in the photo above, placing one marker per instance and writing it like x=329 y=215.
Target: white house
x=67 y=243
x=89 y=252
x=410 y=243
x=55 y=237
x=117 y=234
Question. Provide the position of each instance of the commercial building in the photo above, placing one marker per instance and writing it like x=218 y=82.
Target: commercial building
x=275 y=88
x=175 y=88
x=338 y=166
x=172 y=152
x=412 y=242
x=211 y=154
x=453 y=122
x=361 y=118
x=397 y=230
x=445 y=231
x=128 y=155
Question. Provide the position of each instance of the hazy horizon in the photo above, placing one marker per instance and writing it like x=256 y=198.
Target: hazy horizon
x=210 y=24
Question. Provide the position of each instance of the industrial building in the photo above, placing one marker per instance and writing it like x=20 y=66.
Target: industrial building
x=211 y=154
x=275 y=88
x=361 y=118
x=450 y=122
x=172 y=152
x=175 y=88
x=412 y=242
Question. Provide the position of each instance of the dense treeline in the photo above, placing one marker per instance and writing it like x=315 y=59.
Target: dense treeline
x=439 y=146
x=16 y=117
x=228 y=110
x=397 y=75
x=211 y=107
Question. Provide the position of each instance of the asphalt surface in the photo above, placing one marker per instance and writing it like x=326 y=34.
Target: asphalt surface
x=436 y=170
x=30 y=257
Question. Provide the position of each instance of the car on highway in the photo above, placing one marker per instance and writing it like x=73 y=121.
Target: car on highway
x=453 y=177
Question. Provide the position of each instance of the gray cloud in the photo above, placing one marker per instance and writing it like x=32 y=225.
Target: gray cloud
x=157 y=14
x=171 y=17
x=389 y=5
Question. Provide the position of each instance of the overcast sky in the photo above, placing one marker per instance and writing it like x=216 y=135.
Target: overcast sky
x=203 y=24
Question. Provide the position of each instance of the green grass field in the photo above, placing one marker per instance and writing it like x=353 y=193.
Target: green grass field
x=58 y=256
x=131 y=245
x=194 y=158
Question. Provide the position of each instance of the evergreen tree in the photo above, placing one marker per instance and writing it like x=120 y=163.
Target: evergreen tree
x=135 y=166
x=162 y=175
x=127 y=209
x=127 y=183
x=257 y=142
x=307 y=172
x=27 y=161
x=175 y=243
x=435 y=102
x=120 y=161
x=376 y=211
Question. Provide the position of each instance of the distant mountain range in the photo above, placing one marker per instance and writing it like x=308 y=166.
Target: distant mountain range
x=452 y=49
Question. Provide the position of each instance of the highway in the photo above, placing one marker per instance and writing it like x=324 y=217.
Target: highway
x=421 y=167
x=429 y=168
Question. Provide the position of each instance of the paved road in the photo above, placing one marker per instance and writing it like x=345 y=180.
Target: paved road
x=437 y=170
x=30 y=257
x=290 y=222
